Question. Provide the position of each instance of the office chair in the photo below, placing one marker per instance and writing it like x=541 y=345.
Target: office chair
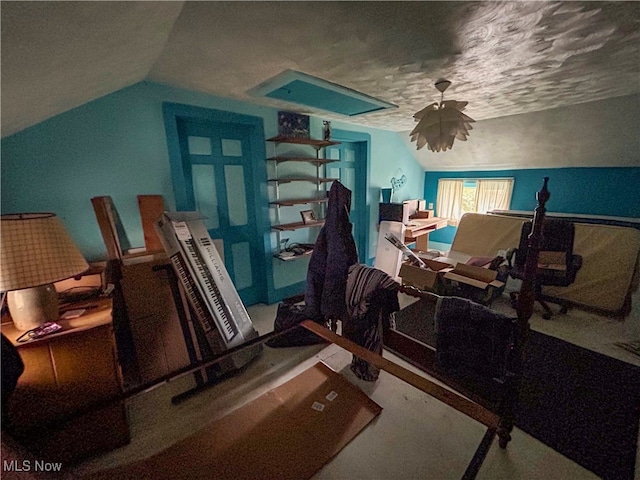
x=557 y=264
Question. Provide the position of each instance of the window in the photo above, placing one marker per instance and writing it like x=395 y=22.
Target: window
x=459 y=196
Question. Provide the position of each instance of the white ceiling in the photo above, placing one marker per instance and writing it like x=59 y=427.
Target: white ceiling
x=504 y=58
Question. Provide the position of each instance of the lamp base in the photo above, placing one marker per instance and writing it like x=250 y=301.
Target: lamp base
x=31 y=307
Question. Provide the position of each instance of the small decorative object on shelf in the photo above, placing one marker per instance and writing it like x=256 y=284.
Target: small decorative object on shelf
x=327 y=129
x=293 y=125
x=308 y=216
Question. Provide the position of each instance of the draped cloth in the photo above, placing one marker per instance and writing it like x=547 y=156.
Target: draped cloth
x=473 y=337
x=371 y=298
x=334 y=252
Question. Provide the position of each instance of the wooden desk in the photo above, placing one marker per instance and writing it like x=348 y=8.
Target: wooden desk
x=64 y=372
x=418 y=229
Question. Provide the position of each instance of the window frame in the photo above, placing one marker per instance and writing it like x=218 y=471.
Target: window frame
x=453 y=206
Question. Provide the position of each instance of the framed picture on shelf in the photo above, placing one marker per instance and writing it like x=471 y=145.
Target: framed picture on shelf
x=293 y=125
x=308 y=216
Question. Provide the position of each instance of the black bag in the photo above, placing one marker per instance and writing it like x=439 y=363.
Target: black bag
x=288 y=315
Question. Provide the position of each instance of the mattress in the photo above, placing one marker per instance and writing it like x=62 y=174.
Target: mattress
x=610 y=266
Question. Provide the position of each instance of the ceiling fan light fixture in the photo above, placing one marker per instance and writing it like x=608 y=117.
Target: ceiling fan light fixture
x=439 y=124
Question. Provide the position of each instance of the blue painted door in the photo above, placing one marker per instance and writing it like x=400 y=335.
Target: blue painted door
x=218 y=177
x=350 y=169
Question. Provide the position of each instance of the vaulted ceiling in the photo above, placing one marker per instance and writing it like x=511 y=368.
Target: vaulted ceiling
x=505 y=58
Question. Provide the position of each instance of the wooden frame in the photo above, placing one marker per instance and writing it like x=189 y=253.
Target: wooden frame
x=424 y=357
x=292 y=124
x=308 y=217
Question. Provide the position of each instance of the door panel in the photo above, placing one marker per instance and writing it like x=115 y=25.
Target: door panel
x=234 y=179
x=217 y=169
x=205 y=194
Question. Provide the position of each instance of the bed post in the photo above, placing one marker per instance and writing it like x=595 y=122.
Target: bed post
x=524 y=310
x=527 y=297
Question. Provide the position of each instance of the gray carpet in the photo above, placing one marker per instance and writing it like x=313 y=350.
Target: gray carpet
x=580 y=403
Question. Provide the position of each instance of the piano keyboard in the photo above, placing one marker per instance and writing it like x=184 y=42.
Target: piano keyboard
x=197 y=303
x=212 y=293
x=213 y=262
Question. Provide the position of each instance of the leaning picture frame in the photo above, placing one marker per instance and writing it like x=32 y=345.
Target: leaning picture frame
x=293 y=125
x=308 y=216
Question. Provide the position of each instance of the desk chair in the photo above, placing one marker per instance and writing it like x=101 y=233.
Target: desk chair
x=557 y=264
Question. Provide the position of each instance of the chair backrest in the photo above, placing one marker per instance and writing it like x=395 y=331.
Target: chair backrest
x=557 y=236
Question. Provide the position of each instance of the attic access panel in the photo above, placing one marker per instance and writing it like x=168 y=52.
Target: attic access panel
x=303 y=89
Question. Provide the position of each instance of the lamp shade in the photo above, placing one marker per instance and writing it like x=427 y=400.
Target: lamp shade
x=35 y=249
x=440 y=124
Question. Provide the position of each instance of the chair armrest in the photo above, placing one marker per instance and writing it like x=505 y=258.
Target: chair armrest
x=576 y=262
x=574 y=265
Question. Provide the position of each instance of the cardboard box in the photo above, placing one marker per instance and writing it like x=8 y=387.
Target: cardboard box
x=477 y=277
x=423 y=214
x=428 y=279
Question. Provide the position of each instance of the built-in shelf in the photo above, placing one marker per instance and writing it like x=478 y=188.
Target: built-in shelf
x=283 y=227
x=302 y=179
x=287 y=256
x=298 y=201
x=302 y=141
x=315 y=161
x=320 y=198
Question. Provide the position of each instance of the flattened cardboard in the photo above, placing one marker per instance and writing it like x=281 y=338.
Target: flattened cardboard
x=287 y=433
x=478 y=277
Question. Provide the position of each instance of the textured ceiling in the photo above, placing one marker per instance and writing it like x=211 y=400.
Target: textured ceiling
x=504 y=58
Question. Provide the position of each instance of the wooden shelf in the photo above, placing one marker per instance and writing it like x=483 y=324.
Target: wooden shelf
x=287 y=258
x=298 y=201
x=303 y=141
x=316 y=161
x=302 y=179
x=297 y=225
x=320 y=183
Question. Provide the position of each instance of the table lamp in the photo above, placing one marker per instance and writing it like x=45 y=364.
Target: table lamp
x=35 y=252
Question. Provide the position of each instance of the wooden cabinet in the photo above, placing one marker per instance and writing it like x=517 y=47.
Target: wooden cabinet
x=66 y=372
x=316 y=201
x=154 y=321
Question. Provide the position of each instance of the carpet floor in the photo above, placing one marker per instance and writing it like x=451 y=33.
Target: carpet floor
x=582 y=404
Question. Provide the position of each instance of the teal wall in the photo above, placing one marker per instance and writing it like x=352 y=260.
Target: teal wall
x=595 y=135
x=593 y=191
x=390 y=158
x=116 y=146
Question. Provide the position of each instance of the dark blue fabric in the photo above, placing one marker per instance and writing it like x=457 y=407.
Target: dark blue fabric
x=334 y=252
x=473 y=337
